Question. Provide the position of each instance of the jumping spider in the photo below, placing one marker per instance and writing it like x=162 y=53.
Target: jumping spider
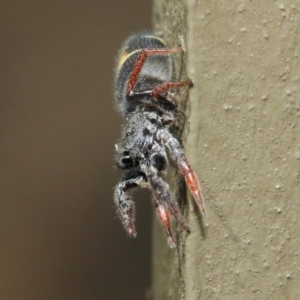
x=143 y=84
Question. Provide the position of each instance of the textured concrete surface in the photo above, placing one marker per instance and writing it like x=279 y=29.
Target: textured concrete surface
x=242 y=137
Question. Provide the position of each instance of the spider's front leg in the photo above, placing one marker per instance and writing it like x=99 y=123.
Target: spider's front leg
x=165 y=204
x=125 y=205
x=162 y=198
x=184 y=166
x=162 y=192
x=164 y=217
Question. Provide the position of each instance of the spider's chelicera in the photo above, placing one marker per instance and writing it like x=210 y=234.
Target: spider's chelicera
x=143 y=85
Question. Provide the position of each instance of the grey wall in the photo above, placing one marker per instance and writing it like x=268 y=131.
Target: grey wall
x=59 y=235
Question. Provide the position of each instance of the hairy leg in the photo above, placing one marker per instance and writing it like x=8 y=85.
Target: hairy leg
x=124 y=203
x=140 y=62
x=184 y=166
x=163 y=195
x=164 y=218
x=165 y=86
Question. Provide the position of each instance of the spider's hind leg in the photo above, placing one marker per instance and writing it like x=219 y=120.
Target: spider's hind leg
x=140 y=62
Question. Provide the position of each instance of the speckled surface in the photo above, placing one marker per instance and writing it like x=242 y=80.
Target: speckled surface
x=242 y=136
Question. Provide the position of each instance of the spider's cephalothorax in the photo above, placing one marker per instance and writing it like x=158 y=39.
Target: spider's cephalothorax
x=143 y=85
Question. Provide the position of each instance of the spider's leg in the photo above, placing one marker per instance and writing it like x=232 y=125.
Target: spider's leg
x=140 y=62
x=164 y=218
x=162 y=193
x=125 y=206
x=184 y=166
x=192 y=182
x=165 y=86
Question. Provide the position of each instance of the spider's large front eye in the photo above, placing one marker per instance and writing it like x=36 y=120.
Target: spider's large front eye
x=159 y=162
x=126 y=161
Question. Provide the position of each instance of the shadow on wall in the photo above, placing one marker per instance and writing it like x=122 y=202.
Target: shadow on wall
x=59 y=235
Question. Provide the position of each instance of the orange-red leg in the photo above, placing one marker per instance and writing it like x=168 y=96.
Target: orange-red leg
x=165 y=86
x=191 y=181
x=163 y=195
x=140 y=61
x=184 y=166
x=164 y=218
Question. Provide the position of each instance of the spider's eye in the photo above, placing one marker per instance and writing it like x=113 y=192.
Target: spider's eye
x=126 y=161
x=158 y=162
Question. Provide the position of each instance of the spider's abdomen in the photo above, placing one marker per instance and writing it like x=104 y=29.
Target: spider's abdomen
x=156 y=69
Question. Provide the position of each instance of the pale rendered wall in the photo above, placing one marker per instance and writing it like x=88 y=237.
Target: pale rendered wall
x=242 y=137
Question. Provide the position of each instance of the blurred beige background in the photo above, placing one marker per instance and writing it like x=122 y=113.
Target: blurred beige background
x=59 y=235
